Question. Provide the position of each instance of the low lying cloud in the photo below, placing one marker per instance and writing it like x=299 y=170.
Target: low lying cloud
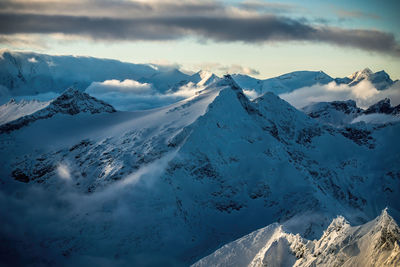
x=128 y=86
x=129 y=95
x=227 y=69
x=364 y=93
x=64 y=227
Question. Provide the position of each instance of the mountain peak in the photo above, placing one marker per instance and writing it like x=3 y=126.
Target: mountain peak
x=228 y=80
x=360 y=75
x=72 y=101
x=384 y=218
x=382 y=106
x=381 y=80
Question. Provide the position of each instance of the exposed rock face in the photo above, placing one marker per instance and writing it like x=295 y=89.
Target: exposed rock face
x=384 y=107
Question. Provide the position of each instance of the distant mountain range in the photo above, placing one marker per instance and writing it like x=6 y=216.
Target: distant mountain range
x=24 y=73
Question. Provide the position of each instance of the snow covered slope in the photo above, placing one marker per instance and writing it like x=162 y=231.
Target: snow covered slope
x=170 y=185
x=204 y=78
x=14 y=110
x=283 y=84
x=376 y=243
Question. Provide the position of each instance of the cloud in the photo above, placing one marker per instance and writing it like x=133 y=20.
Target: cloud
x=64 y=227
x=23 y=41
x=364 y=93
x=133 y=95
x=261 y=6
x=32 y=60
x=239 y=69
x=225 y=69
x=171 y=20
x=129 y=86
x=343 y=13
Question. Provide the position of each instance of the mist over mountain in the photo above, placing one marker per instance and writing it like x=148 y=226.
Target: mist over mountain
x=130 y=164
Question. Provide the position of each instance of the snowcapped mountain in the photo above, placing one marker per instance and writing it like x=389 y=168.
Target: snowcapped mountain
x=295 y=80
x=70 y=102
x=24 y=73
x=381 y=80
x=335 y=113
x=283 y=84
x=341 y=113
x=204 y=78
x=375 y=243
x=170 y=185
x=383 y=107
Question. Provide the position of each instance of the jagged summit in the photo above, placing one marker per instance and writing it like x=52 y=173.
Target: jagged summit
x=381 y=80
x=335 y=113
x=204 y=78
x=228 y=80
x=382 y=106
x=71 y=101
x=362 y=74
x=375 y=243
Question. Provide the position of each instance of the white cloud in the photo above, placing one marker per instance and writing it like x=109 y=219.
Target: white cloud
x=127 y=86
x=32 y=60
x=133 y=95
x=225 y=69
x=364 y=93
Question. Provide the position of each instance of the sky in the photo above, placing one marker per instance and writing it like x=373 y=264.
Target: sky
x=255 y=37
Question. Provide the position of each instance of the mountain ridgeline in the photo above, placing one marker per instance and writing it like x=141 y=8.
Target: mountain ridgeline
x=24 y=73
x=169 y=186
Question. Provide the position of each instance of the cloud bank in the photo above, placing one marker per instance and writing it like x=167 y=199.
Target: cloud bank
x=129 y=95
x=172 y=20
x=364 y=93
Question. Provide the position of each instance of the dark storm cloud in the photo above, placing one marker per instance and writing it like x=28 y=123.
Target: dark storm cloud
x=171 y=20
